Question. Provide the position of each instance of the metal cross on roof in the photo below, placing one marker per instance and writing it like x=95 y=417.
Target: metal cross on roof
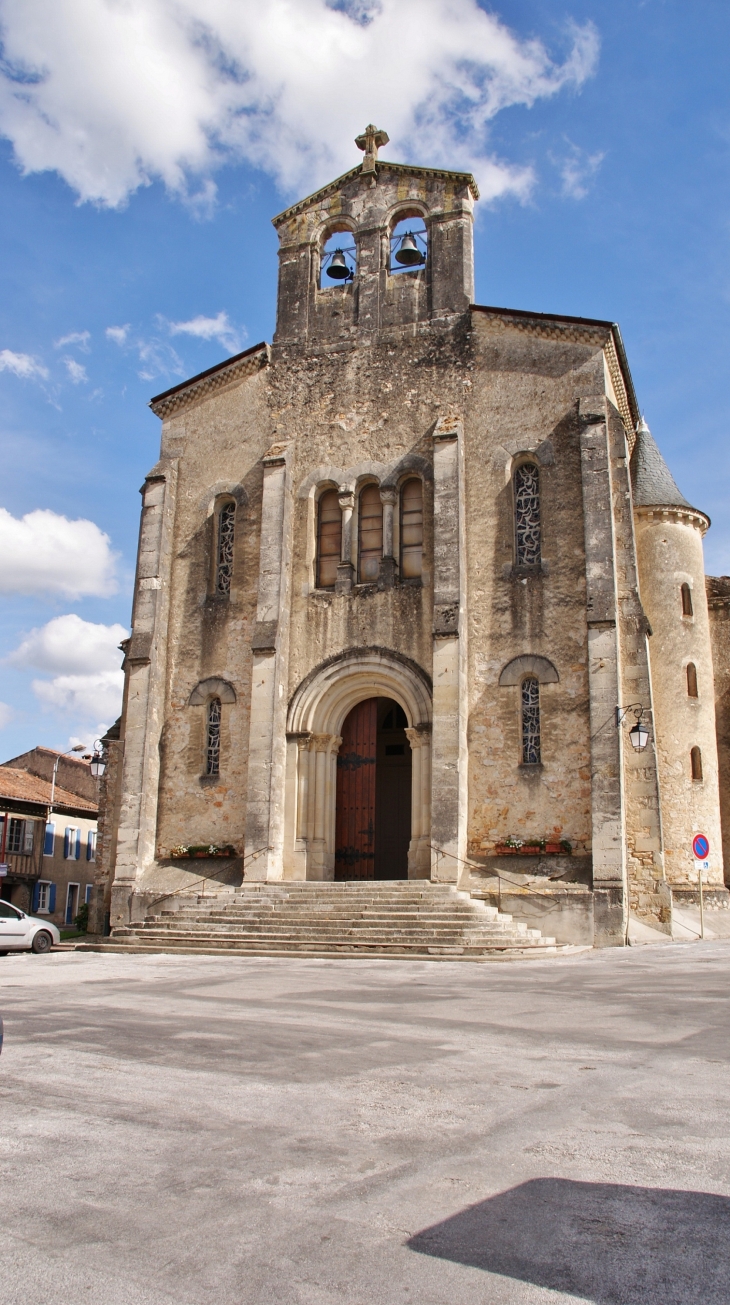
x=371 y=141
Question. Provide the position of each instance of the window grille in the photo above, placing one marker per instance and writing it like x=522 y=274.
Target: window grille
x=329 y=539
x=213 y=749
x=695 y=757
x=226 y=533
x=530 y=721
x=527 y=514
x=692 y=680
x=370 y=534
x=411 y=530
x=686 y=601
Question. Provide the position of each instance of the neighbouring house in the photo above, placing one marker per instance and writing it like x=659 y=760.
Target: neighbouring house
x=49 y=848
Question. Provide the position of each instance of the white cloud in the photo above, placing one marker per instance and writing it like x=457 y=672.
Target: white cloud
x=44 y=553
x=72 y=646
x=211 y=328
x=81 y=338
x=577 y=169
x=21 y=364
x=76 y=371
x=118 y=333
x=85 y=662
x=90 y=697
x=115 y=95
x=6 y=715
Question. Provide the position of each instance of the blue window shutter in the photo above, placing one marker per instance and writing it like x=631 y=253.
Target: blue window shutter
x=90 y=845
x=36 y=896
x=87 y=898
x=50 y=839
x=52 y=898
x=78 y=844
x=67 y=841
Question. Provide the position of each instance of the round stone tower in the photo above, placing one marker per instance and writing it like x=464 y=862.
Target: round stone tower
x=669 y=535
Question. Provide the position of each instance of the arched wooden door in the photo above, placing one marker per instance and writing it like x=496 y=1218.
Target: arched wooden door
x=373 y=812
x=355 y=811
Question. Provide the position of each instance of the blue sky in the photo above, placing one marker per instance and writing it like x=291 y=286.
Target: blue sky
x=140 y=166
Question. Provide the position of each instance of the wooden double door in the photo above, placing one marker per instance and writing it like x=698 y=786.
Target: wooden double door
x=373 y=814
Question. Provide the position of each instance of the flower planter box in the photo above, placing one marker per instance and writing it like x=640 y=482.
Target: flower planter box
x=204 y=855
x=531 y=849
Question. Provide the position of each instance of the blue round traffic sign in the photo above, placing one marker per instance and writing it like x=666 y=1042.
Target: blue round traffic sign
x=701 y=846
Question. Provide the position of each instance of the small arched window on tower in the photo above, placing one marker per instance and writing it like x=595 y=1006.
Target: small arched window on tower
x=695 y=758
x=691 y=680
x=224 y=548
x=411 y=529
x=369 y=534
x=338 y=261
x=527 y=515
x=213 y=738
x=530 y=721
x=329 y=539
x=686 y=601
x=408 y=245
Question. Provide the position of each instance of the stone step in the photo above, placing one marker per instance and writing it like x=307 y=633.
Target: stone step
x=486 y=956
x=295 y=945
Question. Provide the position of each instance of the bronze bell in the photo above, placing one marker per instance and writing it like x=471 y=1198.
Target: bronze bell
x=338 y=269
x=409 y=254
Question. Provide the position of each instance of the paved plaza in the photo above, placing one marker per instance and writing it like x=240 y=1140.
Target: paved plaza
x=211 y=1131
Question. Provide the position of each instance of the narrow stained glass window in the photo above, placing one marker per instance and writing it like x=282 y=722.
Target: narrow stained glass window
x=213 y=749
x=329 y=539
x=226 y=532
x=530 y=721
x=370 y=534
x=411 y=529
x=527 y=515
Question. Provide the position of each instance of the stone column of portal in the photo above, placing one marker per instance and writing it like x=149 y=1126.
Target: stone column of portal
x=604 y=681
x=388 y=566
x=320 y=859
x=146 y=672
x=270 y=646
x=448 y=768
x=346 y=569
x=419 y=851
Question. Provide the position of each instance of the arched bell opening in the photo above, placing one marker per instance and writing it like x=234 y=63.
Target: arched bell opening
x=373 y=793
x=363 y=709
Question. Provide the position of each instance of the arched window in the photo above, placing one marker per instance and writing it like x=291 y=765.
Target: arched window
x=408 y=245
x=527 y=515
x=329 y=539
x=369 y=534
x=224 y=549
x=695 y=758
x=686 y=600
x=691 y=680
x=411 y=529
x=338 y=264
x=530 y=720
x=213 y=740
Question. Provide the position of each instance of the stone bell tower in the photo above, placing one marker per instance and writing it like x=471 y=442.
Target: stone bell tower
x=366 y=204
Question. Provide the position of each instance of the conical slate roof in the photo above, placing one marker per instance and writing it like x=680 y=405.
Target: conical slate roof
x=651 y=480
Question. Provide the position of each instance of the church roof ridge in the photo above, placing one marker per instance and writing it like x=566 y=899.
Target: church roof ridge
x=652 y=482
x=408 y=169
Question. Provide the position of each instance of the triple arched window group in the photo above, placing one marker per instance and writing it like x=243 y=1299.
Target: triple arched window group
x=372 y=537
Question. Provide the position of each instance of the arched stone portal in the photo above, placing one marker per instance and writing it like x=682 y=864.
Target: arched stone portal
x=316 y=714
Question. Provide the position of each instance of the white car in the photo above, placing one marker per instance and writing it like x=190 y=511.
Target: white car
x=21 y=932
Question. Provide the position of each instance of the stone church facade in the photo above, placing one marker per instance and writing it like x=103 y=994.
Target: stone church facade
x=397 y=571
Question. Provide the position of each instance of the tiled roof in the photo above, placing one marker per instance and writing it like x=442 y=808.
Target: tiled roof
x=652 y=481
x=20 y=786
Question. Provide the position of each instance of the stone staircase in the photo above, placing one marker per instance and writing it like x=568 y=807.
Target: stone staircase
x=391 y=918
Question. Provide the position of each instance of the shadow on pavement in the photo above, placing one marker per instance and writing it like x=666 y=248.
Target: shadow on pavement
x=609 y=1243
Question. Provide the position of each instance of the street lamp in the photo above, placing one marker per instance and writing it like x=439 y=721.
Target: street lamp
x=77 y=747
x=98 y=764
x=639 y=733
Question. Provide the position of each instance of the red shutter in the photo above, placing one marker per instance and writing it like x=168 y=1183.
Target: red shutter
x=355 y=823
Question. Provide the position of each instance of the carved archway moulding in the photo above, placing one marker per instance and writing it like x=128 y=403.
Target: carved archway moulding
x=329 y=692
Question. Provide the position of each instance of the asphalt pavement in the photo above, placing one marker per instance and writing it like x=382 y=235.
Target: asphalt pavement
x=211 y=1131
